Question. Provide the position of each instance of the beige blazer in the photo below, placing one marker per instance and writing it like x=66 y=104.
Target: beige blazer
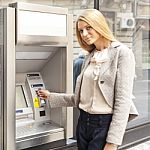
x=116 y=83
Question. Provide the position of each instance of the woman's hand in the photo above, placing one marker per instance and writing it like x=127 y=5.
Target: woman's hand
x=44 y=94
x=110 y=146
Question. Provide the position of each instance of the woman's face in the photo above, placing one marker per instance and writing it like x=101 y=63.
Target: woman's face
x=88 y=34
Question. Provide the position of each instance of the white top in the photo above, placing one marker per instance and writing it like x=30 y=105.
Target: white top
x=91 y=98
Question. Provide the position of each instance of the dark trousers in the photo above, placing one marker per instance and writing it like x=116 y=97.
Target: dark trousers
x=92 y=130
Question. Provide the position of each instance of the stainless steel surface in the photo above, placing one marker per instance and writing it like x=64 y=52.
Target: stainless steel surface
x=1 y=80
x=69 y=76
x=27 y=60
x=22 y=32
x=9 y=79
x=40 y=8
x=33 y=82
x=41 y=40
x=35 y=54
x=34 y=128
x=37 y=133
x=56 y=71
x=31 y=131
x=37 y=128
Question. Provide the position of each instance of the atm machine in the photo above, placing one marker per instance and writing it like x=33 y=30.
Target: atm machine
x=36 y=53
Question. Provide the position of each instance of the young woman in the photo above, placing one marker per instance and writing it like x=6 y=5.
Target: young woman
x=104 y=87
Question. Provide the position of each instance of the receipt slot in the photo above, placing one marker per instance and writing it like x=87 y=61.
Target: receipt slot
x=36 y=45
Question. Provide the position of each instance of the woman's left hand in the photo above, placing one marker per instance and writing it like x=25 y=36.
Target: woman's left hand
x=110 y=146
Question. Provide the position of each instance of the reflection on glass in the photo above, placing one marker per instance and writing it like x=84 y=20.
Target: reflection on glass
x=142 y=81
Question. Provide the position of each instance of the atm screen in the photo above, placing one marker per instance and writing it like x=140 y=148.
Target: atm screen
x=20 y=97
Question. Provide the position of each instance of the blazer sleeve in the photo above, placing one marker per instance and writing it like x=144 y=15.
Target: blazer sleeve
x=61 y=100
x=123 y=96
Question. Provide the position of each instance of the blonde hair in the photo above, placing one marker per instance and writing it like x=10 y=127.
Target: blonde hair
x=98 y=22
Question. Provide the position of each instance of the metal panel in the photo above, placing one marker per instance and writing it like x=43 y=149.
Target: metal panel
x=9 y=79
x=1 y=80
x=8 y=129
x=22 y=28
x=40 y=8
x=45 y=24
x=69 y=77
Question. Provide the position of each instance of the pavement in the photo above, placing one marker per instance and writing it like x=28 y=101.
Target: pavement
x=142 y=146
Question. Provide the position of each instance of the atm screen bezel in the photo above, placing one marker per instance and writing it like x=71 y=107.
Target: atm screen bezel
x=25 y=110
